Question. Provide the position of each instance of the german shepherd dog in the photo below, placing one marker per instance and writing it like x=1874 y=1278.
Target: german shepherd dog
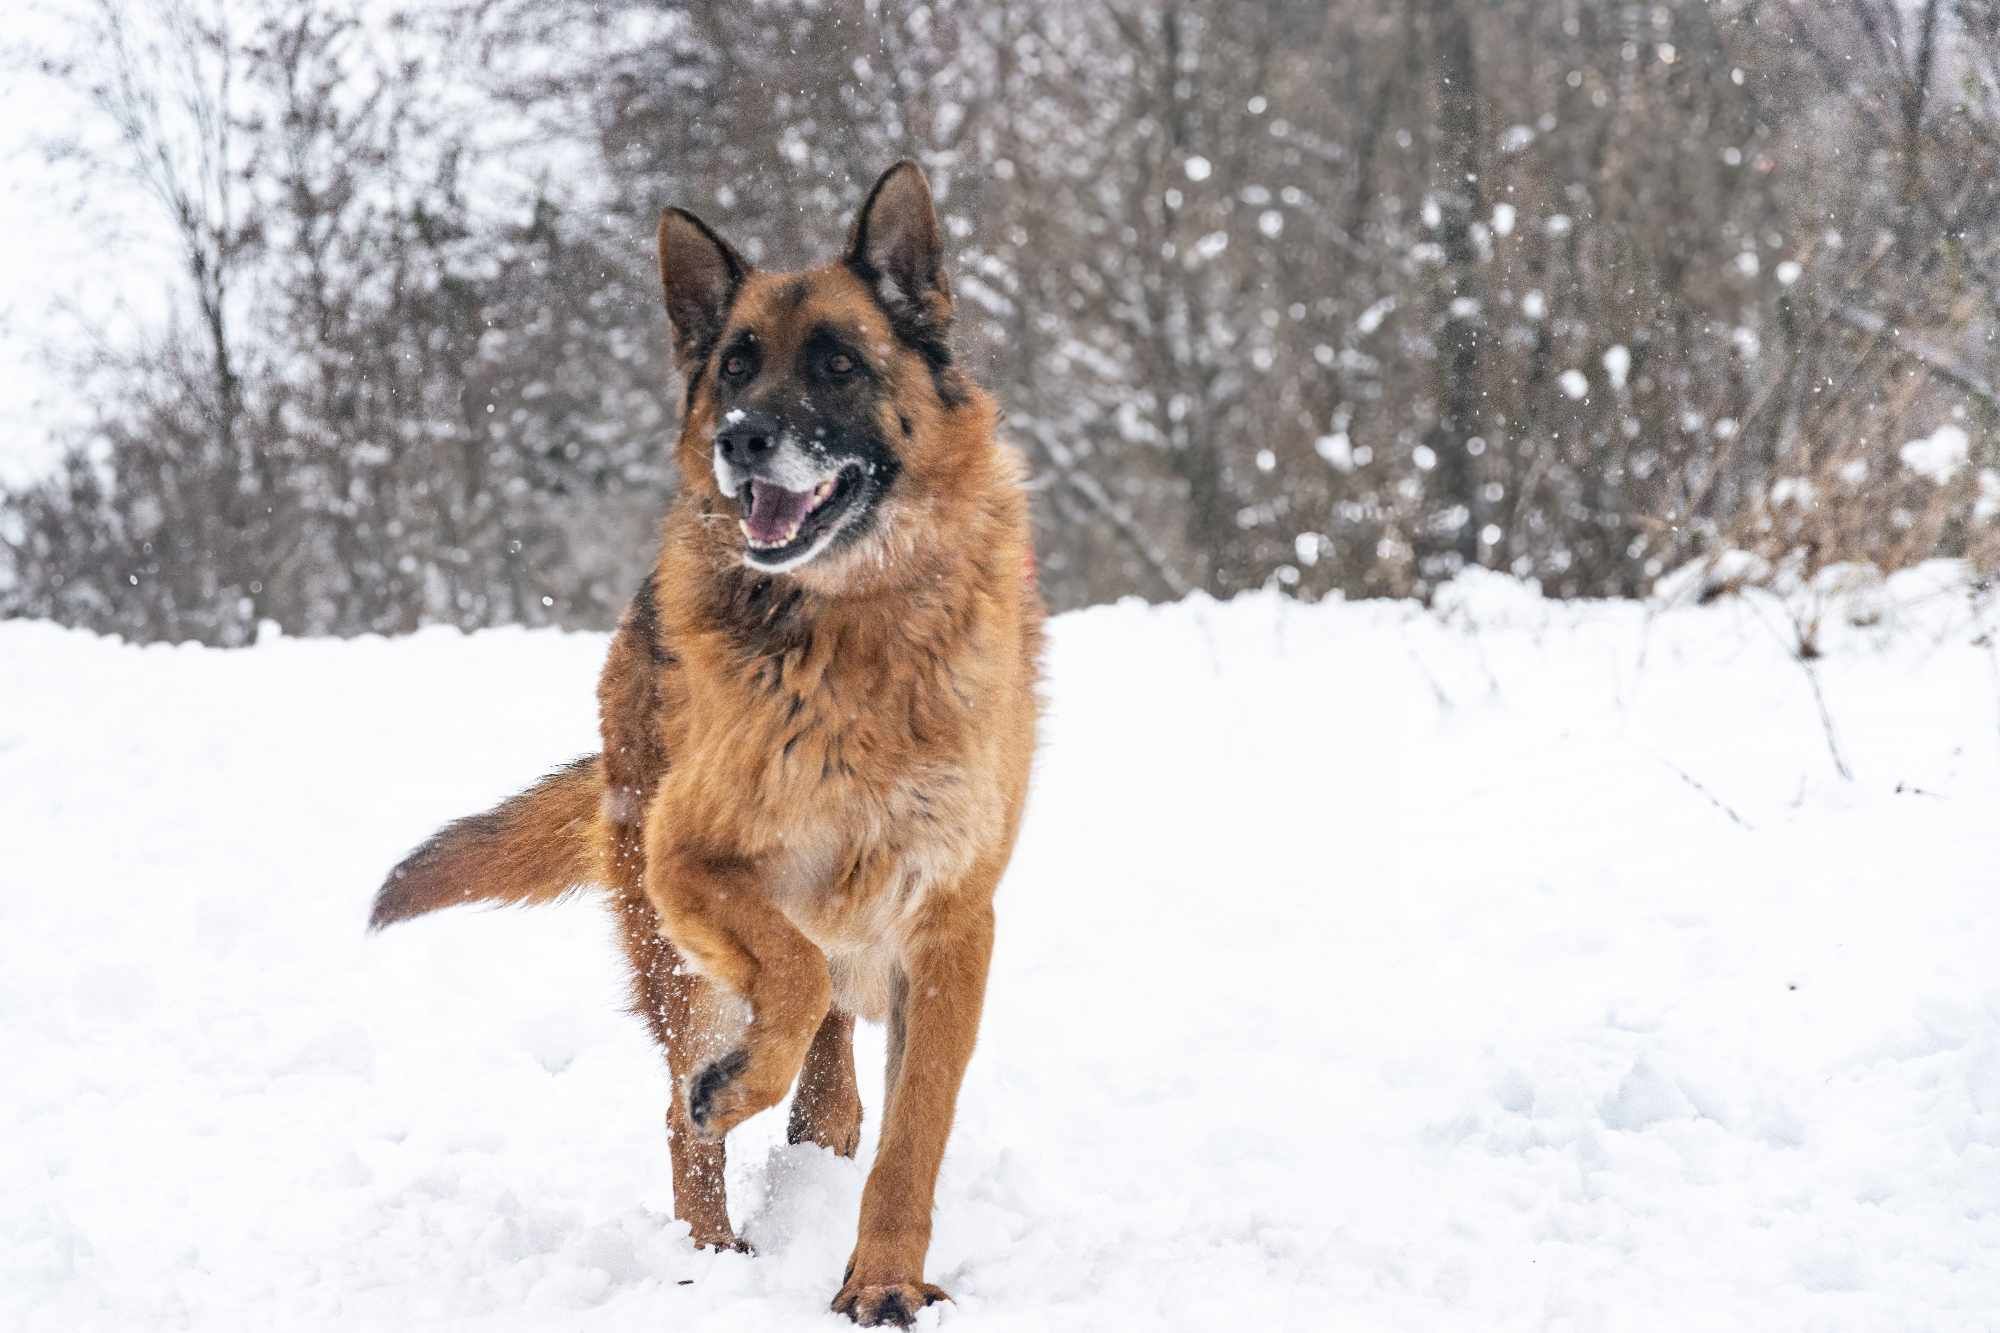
x=818 y=715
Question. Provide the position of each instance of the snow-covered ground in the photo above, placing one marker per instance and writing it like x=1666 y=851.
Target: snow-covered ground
x=1510 y=966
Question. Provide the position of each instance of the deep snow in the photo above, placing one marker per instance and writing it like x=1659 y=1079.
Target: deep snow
x=1361 y=967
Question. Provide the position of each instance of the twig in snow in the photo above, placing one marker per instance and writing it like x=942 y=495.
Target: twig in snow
x=1479 y=656
x=1645 y=642
x=1989 y=638
x=1444 y=700
x=1825 y=719
x=1798 y=654
x=1707 y=795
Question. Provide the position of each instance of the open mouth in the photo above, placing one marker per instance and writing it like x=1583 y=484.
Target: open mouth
x=779 y=525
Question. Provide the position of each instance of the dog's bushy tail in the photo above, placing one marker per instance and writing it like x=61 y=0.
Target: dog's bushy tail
x=531 y=848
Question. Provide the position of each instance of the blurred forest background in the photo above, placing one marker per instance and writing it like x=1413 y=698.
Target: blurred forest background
x=1334 y=296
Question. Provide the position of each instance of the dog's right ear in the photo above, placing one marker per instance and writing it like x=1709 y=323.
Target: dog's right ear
x=699 y=273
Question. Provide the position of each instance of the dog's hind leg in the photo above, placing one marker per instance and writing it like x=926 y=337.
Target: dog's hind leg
x=826 y=1109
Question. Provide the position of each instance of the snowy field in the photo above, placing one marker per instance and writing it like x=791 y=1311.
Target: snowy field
x=1508 y=966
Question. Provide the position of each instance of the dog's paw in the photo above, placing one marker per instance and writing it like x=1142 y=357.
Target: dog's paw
x=833 y=1123
x=727 y=1242
x=840 y=1139
x=708 y=1093
x=893 y=1303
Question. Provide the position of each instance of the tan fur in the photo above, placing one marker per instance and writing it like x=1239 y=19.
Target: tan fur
x=811 y=782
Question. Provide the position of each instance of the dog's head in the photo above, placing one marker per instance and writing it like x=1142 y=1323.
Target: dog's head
x=824 y=433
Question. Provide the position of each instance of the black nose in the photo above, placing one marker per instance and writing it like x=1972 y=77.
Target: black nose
x=746 y=437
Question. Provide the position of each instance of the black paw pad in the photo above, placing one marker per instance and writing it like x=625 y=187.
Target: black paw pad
x=710 y=1079
x=891 y=1311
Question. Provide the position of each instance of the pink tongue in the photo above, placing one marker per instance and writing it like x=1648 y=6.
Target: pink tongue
x=775 y=511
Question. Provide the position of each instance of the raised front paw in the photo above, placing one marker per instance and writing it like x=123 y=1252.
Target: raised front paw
x=728 y=1090
x=713 y=1091
x=872 y=1304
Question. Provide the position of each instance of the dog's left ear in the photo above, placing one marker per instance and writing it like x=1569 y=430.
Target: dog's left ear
x=896 y=244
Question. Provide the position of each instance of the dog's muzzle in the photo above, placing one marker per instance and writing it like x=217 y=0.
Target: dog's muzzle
x=779 y=487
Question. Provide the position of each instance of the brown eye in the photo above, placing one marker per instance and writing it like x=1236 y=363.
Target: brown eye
x=735 y=366
x=840 y=363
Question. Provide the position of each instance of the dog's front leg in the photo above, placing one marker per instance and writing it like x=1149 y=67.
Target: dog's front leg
x=936 y=1019
x=715 y=912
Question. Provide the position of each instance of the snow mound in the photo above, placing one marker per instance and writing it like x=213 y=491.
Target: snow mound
x=1514 y=964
